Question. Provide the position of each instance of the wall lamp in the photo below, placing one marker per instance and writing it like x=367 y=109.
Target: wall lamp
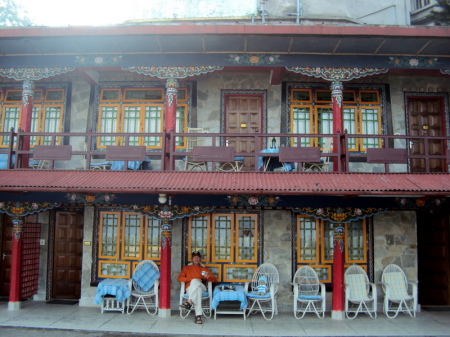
x=162 y=199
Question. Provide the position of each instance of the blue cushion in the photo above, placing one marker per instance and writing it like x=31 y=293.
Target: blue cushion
x=312 y=297
x=252 y=294
x=145 y=276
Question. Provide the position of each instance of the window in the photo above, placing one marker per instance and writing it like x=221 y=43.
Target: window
x=47 y=114
x=228 y=243
x=311 y=113
x=124 y=239
x=137 y=110
x=314 y=242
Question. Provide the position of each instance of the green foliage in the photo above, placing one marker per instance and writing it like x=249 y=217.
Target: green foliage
x=12 y=14
x=441 y=16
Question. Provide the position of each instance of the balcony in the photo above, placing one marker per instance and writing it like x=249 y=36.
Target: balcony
x=249 y=152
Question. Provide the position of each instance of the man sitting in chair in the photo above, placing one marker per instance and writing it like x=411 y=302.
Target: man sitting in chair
x=196 y=275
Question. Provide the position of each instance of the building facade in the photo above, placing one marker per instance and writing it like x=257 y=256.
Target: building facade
x=100 y=128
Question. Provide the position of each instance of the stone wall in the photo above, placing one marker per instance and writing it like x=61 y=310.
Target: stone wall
x=395 y=242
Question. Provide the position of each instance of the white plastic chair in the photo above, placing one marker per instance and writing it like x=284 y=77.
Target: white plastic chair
x=206 y=301
x=320 y=166
x=309 y=293
x=360 y=294
x=400 y=294
x=267 y=303
x=145 y=275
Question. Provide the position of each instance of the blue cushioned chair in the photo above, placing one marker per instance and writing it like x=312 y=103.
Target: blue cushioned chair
x=144 y=288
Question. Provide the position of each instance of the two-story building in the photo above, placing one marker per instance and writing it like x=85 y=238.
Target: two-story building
x=251 y=138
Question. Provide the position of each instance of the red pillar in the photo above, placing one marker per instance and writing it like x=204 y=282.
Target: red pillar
x=16 y=265
x=165 y=270
x=25 y=117
x=336 y=94
x=170 y=118
x=338 y=304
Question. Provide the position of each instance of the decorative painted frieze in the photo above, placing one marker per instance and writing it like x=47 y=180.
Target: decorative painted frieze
x=98 y=60
x=254 y=59
x=167 y=212
x=253 y=201
x=337 y=74
x=25 y=208
x=173 y=72
x=102 y=198
x=339 y=214
x=413 y=62
x=33 y=74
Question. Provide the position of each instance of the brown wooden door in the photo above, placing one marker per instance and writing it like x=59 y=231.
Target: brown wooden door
x=426 y=117
x=67 y=260
x=5 y=260
x=434 y=258
x=243 y=115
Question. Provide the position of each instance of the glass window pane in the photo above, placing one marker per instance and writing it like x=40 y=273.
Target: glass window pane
x=328 y=241
x=308 y=239
x=199 y=235
x=246 y=228
x=153 y=124
x=131 y=123
x=132 y=235
x=153 y=250
x=355 y=241
x=108 y=124
x=109 y=233
x=222 y=237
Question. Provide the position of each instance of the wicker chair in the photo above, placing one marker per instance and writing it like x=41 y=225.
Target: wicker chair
x=360 y=294
x=206 y=301
x=144 y=288
x=266 y=303
x=400 y=294
x=309 y=293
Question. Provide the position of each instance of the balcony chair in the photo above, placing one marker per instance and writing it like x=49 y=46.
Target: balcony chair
x=144 y=288
x=309 y=293
x=360 y=294
x=191 y=141
x=400 y=294
x=265 y=302
x=38 y=164
x=206 y=301
x=324 y=161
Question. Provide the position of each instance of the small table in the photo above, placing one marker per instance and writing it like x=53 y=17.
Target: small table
x=269 y=163
x=118 y=292
x=229 y=295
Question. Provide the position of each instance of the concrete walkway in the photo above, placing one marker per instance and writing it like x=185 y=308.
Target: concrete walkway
x=73 y=317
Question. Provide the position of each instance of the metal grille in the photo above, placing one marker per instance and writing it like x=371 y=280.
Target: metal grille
x=30 y=259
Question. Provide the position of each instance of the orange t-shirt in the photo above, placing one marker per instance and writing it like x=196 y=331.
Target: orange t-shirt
x=190 y=272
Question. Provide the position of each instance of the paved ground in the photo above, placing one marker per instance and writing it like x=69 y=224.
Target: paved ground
x=59 y=320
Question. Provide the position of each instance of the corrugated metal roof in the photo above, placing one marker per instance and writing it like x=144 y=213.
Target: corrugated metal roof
x=225 y=182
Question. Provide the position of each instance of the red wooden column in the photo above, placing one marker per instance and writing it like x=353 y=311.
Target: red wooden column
x=25 y=117
x=16 y=265
x=165 y=269
x=170 y=119
x=336 y=94
x=338 y=304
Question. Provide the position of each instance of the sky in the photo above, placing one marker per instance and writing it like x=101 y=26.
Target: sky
x=109 y=12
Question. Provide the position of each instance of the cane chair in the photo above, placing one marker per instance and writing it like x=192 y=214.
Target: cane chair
x=266 y=303
x=309 y=293
x=400 y=295
x=191 y=141
x=144 y=288
x=360 y=294
x=206 y=301
x=324 y=161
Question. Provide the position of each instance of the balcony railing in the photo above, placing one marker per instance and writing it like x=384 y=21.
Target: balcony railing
x=338 y=153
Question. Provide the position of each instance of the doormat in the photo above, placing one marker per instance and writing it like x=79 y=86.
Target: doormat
x=62 y=302
x=436 y=308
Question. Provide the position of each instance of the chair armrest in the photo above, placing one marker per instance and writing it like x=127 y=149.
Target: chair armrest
x=273 y=288
x=156 y=286
x=246 y=286
x=373 y=287
x=130 y=284
x=210 y=288
x=296 y=289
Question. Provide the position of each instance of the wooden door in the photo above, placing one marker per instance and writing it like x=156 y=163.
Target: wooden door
x=434 y=257
x=67 y=258
x=5 y=258
x=426 y=116
x=243 y=115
